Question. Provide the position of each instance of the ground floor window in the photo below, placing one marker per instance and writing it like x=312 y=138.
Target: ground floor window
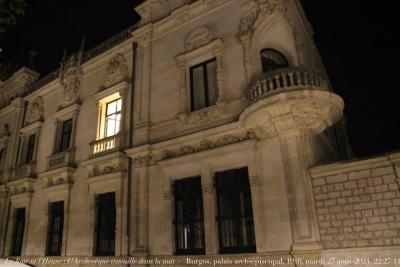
x=55 y=228
x=189 y=219
x=105 y=224
x=235 y=212
x=18 y=232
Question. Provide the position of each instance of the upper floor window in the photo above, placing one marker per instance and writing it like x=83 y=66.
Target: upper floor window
x=113 y=117
x=18 y=232
x=272 y=59
x=189 y=220
x=235 y=212
x=30 y=148
x=64 y=136
x=55 y=229
x=203 y=84
x=105 y=224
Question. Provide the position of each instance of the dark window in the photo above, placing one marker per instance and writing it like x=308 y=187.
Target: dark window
x=272 y=59
x=30 y=148
x=235 y=212
x=189 y=220
x=203 y=84
x=65 y=135
x=105 y=230
x=55 y=229
x=18 y=232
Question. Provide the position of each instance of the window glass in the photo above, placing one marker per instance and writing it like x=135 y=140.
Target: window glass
x=30 y=148
x=65 y=138
x=203 y=84
x=113 y=118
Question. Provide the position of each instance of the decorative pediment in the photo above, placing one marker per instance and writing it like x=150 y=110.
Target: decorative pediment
x=116 y=70
x=198 y=38
x=35 y=111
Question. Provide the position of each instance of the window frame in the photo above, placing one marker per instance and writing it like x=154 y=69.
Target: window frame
x=186 y=60
x=234 y=192
x=61 y=136
x=192 y=196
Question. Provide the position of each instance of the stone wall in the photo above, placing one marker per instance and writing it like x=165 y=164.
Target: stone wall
x=358 y=202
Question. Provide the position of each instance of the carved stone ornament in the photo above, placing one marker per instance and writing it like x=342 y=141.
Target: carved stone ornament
x=143 y=160
x=257 y=9
x=97 y=170
x=70 y=77
x=198 y=38
x=200 y=118
x=4 y=130
x=205 y=145
x=116 y=70
x=35 y=111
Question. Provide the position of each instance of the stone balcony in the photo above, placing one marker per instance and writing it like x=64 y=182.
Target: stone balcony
x=23 y=171
x=291 y=99
x=106 y=145
x=60 y=159
x=287 y=79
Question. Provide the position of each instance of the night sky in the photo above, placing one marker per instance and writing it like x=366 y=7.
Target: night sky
x=358 y=45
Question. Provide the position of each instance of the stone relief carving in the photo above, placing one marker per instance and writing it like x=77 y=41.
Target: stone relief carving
x=70 y=77
x=198 y=37
x=97 y=170
x=35 y=111
x=116 y=70
x=143 y=160
x=204 y=145
x=200 y=118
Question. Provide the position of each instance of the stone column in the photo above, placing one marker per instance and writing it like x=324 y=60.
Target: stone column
x=210 y=212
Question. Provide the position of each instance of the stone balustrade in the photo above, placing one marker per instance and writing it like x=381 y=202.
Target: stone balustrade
x=105 y=145
x=60 y=159
x=292 y=78
x=25 y=170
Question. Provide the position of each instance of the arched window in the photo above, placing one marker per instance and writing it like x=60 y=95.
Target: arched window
x=272 y=59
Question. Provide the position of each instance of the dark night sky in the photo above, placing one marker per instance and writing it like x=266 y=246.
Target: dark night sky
x=359 y=48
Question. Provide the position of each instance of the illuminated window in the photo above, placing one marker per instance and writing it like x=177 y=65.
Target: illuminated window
x=110 y=116
x=113 y=117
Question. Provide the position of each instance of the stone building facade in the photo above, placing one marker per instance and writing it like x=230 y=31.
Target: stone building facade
x=199 y=133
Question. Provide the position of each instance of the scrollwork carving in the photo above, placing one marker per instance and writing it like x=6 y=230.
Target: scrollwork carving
x=116 y=70
x=198 y=37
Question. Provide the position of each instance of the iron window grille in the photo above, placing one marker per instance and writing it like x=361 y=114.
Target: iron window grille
x=55 y=229
x=189 y=218
x=235 y=212
x=105 y=224
x=18 y=232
